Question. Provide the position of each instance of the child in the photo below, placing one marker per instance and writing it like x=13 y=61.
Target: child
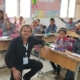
x=38 y=22
x=62 y=42
x=77 y=29
x=36 y=30
x=43 y=29
x=3 y=18
x=76 y=49
x=70 y=24
x=18 y=24
x=52 y=27
x=7 y=29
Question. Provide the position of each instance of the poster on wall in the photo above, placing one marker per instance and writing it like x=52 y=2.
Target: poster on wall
x=45 y=8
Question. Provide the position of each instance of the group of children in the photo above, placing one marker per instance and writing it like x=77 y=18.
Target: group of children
x=8 y=28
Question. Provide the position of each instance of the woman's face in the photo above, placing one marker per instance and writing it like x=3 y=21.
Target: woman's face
x=1 y=15
x=8 y=26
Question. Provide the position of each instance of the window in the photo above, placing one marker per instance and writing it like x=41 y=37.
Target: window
x=71 y=12
x=11 y=7
x=67 y=8
x=25 y=8
x=64 y=8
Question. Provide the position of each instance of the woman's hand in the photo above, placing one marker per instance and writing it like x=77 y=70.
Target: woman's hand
x=46 y=49
x=16 y=74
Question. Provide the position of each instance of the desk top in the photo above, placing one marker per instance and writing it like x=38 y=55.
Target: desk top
x=43 y=35
x=8 y=39
x=67 y=54
x=69 y=33
x=72 y=34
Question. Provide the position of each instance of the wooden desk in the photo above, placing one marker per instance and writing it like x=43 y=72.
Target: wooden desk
x=47 y=38
x=3 y=47
x=4 y=44
x=72 y=34
x=62 y=59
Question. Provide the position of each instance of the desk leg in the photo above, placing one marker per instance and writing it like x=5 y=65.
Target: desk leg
x=76 y=72
x=39 y=60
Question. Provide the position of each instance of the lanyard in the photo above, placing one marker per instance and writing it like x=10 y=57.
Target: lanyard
x=26 y=46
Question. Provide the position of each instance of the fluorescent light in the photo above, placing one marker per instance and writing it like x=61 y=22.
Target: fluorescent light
x=64 y=8
x=71 y=12
x=11 y=7
x=25 y=8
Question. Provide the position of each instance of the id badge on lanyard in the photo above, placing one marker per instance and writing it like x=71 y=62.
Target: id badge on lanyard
x=25 y=59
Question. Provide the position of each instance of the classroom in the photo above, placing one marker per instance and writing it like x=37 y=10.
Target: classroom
x=39 y=39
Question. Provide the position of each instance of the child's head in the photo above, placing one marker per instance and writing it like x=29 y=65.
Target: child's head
x=1 y=14
x=44 y=27
x=38 y=21
x=34 y=23
x=20 y=19
x=70 y=19
x=78 y=26
x=62 y=32
x=52 y=21
x=8 y=25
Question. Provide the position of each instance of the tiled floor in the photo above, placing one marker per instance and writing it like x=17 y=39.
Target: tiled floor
x=5 y=73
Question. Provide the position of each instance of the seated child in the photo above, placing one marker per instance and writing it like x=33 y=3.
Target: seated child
x=52 y=28
x=62 y=42
x=18 y=23
x=69 y=24
x=77 y=29
x=36 y=29
x=43 y=29
x=7 y=29
x=76 y=49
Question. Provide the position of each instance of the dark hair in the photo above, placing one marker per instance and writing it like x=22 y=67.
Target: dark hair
x=2 y=14
x=20 y=17
x=38 y=20
x=52 y=19
x=44 y=26
x=63 y=29
x=26 y=25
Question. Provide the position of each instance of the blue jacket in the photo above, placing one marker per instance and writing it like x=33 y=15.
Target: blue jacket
x=51 y=29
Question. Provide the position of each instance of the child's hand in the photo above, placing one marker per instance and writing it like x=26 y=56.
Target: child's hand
x=15 y=18
x=59 y=46
x=5 y=16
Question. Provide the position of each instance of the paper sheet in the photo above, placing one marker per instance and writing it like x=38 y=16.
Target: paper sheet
x=76 y=55
x=4 y=37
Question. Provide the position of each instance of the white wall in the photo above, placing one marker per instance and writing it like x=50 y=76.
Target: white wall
x=46 y=22
x=58 y=22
